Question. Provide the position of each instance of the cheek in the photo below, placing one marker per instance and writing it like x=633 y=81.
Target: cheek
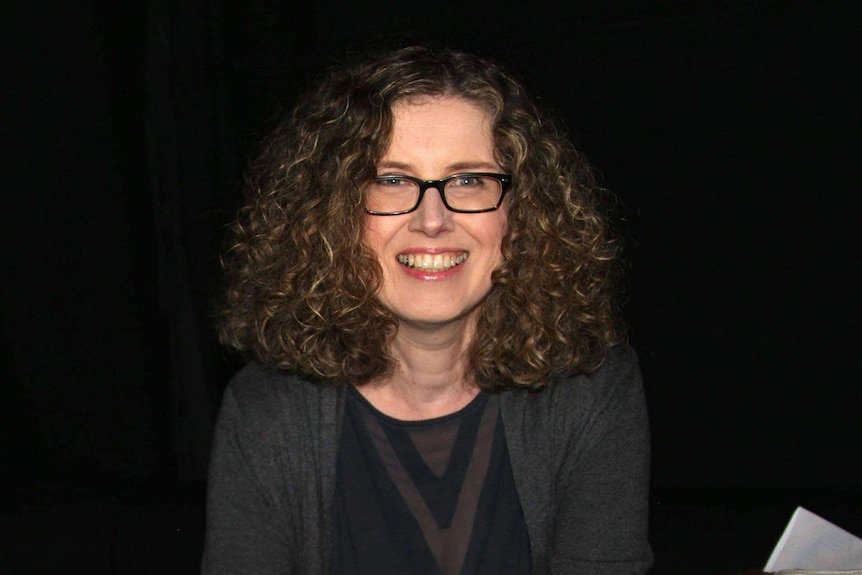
x=372 y=239
x=497 y=257
x=502 y=228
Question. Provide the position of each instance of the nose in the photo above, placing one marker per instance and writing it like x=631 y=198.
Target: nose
x=431 y=217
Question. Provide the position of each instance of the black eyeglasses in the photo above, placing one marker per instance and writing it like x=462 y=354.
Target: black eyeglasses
x=470 y=193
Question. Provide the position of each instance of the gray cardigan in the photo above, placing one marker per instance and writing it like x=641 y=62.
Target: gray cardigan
x=579 y=452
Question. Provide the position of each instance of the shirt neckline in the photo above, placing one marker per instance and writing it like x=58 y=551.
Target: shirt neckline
x=475 y=403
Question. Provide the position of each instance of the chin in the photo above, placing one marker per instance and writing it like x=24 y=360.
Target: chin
x=437 y=317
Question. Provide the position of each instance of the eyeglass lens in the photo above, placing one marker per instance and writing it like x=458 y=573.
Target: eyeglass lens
x=399 y=194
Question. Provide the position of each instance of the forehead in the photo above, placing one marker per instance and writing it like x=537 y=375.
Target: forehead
x=439 y=127
x=438 y=107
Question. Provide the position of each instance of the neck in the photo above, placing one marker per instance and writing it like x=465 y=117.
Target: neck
x=430 y=374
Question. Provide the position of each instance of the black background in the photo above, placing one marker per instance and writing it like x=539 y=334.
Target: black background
x=729 y=131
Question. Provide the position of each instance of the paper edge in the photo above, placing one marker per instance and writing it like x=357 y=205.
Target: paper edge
x=782 y=541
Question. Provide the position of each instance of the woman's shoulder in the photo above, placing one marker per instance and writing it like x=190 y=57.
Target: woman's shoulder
x=271 y=393
x=256 y=384
x=573 y=395
x=619 y=370
x=621 y=367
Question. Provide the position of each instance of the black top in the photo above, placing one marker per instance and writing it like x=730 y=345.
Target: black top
x=434 y=496
x=579 y=452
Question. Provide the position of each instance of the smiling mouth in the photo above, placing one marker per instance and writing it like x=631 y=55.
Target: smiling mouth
x=432 y=262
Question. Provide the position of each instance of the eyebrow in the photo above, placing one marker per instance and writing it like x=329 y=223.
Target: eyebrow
x=478 y=166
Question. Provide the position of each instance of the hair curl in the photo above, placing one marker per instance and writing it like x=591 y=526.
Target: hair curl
x=302 y=287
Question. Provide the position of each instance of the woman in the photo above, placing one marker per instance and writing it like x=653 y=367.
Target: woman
x=424 y=284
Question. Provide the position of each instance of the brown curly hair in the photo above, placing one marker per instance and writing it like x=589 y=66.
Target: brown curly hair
x=302 y=287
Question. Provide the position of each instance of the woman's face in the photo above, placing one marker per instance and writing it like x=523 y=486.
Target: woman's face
x=433 y=138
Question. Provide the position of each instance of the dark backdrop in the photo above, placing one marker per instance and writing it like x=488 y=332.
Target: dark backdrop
x=729 y=131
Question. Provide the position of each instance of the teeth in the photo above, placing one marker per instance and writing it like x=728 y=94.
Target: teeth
x=431 y=262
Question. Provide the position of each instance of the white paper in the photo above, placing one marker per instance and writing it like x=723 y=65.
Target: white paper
x=811 y=542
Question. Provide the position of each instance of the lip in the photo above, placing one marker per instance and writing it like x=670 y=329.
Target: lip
x=429 y=275
x=426 y=275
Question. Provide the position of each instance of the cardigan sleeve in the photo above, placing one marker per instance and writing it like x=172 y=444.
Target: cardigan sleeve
x=272 y=476
x=599 y=524
x=248 y=530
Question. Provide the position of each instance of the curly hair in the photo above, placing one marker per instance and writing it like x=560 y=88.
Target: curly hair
x=302 y=288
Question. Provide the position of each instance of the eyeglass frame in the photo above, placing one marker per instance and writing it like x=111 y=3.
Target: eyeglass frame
x=504 y=179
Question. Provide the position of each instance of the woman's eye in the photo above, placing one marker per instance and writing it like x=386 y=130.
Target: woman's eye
x=391 y=182
x=467 y=181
